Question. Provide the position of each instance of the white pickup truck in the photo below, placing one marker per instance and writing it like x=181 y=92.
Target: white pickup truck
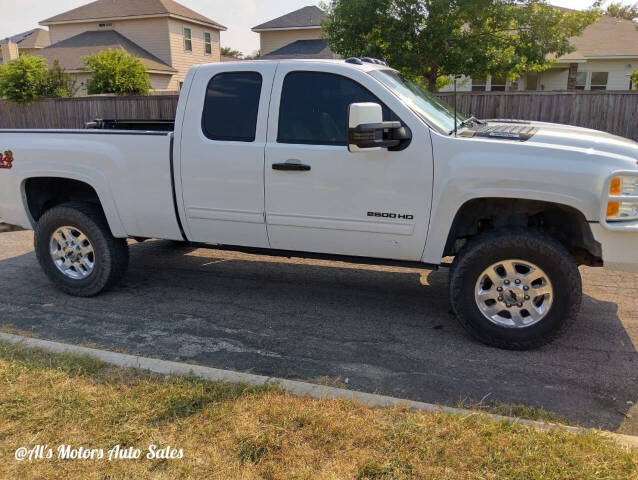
x=346 y=159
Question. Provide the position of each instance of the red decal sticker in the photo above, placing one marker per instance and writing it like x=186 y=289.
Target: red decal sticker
x=6 y=159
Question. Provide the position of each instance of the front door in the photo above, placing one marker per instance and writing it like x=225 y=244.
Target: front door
x=322 y=198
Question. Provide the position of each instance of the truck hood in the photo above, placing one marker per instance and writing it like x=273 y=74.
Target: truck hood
x=565 y=136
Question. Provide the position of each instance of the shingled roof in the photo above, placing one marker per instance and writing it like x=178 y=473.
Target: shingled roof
x=71 y=52
x=315 y=49
x=120 y=9
x=36 y=38
x=609 y=37
x=307 y=17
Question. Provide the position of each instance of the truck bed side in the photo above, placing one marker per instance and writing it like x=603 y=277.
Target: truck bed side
x=129 y=171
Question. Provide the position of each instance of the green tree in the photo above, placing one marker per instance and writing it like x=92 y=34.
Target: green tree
x=430 y=39
x=58 y=84
x=634 y=79
x=229 y=52
x=117 y=71
x=617 y=9
x=22 y=79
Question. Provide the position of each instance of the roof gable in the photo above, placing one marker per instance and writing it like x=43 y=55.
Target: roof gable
x=119 y=9
x=71 y=51
x=307 y=17
x=36 y=38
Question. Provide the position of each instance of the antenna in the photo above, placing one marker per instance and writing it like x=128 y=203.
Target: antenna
x=456 y=117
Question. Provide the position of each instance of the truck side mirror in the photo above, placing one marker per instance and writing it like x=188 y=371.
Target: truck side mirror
x=368 y=132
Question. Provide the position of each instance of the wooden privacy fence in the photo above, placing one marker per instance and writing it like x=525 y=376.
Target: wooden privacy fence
x=614 y=112
x=75 y=112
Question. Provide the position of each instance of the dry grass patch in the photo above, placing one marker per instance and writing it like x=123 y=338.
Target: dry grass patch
x=514 y=410
x=239 y=432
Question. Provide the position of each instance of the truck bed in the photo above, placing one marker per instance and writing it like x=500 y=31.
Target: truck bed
x=134 y=124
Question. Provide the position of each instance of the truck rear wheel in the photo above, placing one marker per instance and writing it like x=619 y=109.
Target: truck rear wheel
x=77 y=251
x=516 y=291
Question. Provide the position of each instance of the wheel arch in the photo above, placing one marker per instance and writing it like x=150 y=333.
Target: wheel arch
x=41 y=192
x=562 y=221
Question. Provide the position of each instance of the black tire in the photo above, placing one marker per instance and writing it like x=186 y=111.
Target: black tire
x=527 y=245
x=111 y=254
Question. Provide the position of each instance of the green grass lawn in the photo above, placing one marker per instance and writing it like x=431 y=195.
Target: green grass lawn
x=237 y=432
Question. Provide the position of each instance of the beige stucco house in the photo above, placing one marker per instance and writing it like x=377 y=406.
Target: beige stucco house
x=294 y=35
x=26 y=43
x=605 y=55
x=168 y=37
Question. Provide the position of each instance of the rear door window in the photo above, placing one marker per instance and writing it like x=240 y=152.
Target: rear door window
x=232 y=106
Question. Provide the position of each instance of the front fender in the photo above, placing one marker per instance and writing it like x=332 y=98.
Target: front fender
x=469 y=169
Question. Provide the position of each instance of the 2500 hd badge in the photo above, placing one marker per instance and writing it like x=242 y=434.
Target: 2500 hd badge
x=391 y=215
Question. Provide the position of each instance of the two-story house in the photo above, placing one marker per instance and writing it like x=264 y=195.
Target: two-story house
x=26 y=43
x=168 y=37
x=294 y=35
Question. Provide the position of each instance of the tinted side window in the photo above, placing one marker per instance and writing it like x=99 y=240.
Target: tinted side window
x=231 y=106
x=314 y=108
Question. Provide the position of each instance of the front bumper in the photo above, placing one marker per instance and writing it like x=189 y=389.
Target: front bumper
x=620 y=248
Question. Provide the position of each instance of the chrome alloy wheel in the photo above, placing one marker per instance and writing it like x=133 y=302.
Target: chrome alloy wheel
x=72 y=253
x=514 y=294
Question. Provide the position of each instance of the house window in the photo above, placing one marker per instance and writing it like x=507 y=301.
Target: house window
x=532 y=82
x=599 y=80
x=479 y=84
x=188 y=41
x=208 y=46
x=581 y=80
x=498 y=84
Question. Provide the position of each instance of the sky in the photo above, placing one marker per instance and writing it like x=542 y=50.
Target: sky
x=238 y=15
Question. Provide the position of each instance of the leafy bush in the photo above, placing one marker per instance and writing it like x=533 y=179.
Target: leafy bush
x=58 y=84
x=229 y=52
x=117 y=71
x=22 y=79
x=634 y=79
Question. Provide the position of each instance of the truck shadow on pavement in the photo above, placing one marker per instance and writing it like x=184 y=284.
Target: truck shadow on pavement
x=377 y=329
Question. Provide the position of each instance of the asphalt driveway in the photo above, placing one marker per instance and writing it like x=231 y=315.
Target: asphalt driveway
x=380 y=329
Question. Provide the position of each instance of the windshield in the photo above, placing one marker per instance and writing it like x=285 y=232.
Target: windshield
x=428 y=106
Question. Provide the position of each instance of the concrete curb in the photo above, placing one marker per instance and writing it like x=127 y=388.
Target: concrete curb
x=294 y=387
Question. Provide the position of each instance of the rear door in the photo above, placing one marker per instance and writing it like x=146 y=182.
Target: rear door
x=369 y=204
x=222 y=154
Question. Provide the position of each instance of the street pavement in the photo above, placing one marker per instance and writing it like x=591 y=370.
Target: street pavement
x=376 y=329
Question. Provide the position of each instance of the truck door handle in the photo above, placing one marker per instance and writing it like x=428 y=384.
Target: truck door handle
x=291 y=167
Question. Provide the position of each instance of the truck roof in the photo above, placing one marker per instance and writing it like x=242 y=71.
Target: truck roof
x=365 y=66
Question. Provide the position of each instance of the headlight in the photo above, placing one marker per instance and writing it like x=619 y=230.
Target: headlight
x=618 y=207
x=617 y=211
x=624 y=186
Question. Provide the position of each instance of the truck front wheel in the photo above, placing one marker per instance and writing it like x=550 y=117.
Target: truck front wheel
x=515 y=290
x=77 y=251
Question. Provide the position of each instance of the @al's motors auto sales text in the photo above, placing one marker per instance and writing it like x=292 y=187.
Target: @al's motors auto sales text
x=118 y=452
